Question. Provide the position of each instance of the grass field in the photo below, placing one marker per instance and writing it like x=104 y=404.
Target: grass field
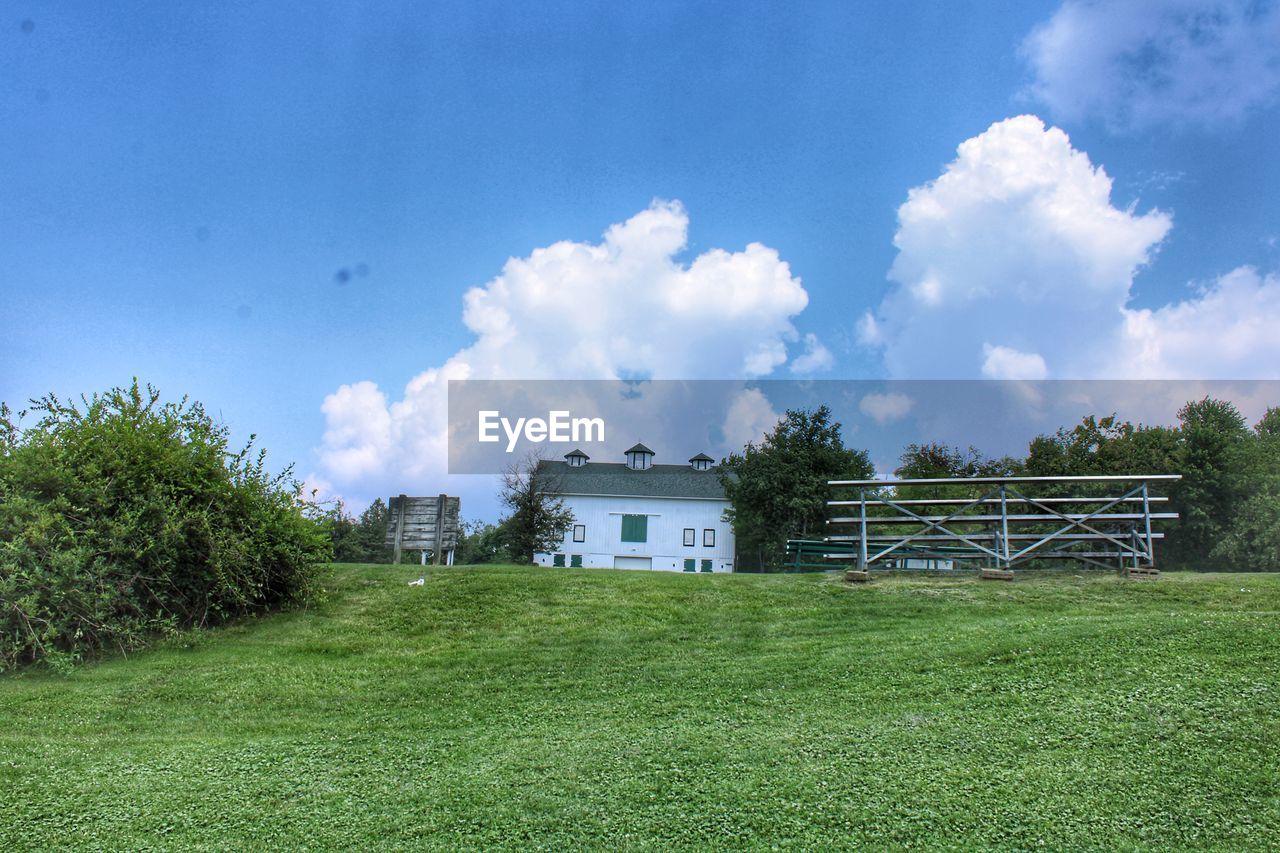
x=589 y=708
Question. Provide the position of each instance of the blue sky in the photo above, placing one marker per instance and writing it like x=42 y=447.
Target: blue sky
x=260 y=205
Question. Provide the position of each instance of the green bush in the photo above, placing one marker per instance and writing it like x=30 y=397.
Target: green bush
x=123 y=516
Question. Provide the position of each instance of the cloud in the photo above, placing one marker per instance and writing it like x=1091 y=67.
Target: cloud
x=868 y=332
x=749 y=418
x=1016 y=236
x=1008 y=363
x=885 y=408
x=623 y=307
x=359 y=430
x=816 y=357
x=1228 y=330
x=1014 y=264
x=1135 y=64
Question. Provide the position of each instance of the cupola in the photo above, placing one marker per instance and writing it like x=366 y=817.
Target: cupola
x=701 y=462
x=576 y=458
x=639 y=458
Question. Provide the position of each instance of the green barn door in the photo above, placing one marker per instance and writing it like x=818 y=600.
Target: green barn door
x=635 y=528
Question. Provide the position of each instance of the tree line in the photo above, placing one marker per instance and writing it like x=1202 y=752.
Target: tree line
x=1228 y=499
x=535 y=520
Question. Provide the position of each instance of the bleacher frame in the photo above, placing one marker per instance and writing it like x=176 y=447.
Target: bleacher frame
x=1111 y=531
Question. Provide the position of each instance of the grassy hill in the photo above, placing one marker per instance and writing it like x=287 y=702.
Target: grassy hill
x=520 y=707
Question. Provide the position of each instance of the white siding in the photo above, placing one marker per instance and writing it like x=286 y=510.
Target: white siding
x=668 y=518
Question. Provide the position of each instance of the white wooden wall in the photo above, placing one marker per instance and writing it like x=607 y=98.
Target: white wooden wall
x=668 y=518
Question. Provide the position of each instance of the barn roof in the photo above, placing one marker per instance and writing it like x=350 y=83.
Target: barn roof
x=656 y=481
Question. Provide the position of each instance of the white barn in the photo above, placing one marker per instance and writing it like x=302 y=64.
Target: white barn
x=637 y=515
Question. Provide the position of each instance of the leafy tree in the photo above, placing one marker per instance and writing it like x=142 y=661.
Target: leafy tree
x=342 y=533
x=122 y=516
x=1269 y=426
x=1103 y=446
x=935 y=461
x=537 y=516
x=927 y=461
x=778 y=489
x=1251 y=540
x=371 y=533
x=479 y=542
x=1213 y=433
x=355 y=540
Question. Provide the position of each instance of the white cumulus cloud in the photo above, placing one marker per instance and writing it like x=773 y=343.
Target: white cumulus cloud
x=623 y=307
x=1137 y=63
x=885 y=408
x=1017 y=236
x=1014 y=264
x=1229 y=330
x=816 y=356
x=1007 y=363
x=749 y=418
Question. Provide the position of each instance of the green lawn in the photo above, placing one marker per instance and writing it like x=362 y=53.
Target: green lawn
x=527 y=707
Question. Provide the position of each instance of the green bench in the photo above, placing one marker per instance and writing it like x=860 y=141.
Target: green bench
x=814 y=555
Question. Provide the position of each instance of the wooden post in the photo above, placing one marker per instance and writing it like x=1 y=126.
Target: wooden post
x=439 y=537
x=404 y=501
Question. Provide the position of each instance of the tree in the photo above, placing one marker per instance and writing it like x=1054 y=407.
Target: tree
x=934 y=461
x=480 y=542
x=355 y=540
x=537 y=517
x=1213 y=433
x=1103 y=446
x=778 y=489
x=1251 y=540
x=342 y=531
x=926 y=461
x=371 y=533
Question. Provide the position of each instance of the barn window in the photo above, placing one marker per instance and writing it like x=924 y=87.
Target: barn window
x=709 y=538
x=689 y=534
x=579 y=533
x=635 y=528
x=575 y=561
x=557 y=560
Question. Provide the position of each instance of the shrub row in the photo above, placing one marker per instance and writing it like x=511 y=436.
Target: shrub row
x=122 y=517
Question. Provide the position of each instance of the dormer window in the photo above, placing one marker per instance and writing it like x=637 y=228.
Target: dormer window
x=701 y=462
x=639 y=458
x=576 y=459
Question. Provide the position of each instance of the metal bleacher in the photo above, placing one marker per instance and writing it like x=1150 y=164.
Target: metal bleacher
x=996 y=523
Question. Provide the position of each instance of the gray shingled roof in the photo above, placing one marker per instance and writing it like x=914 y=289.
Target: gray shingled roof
x=640 y=448
x=615 y=478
